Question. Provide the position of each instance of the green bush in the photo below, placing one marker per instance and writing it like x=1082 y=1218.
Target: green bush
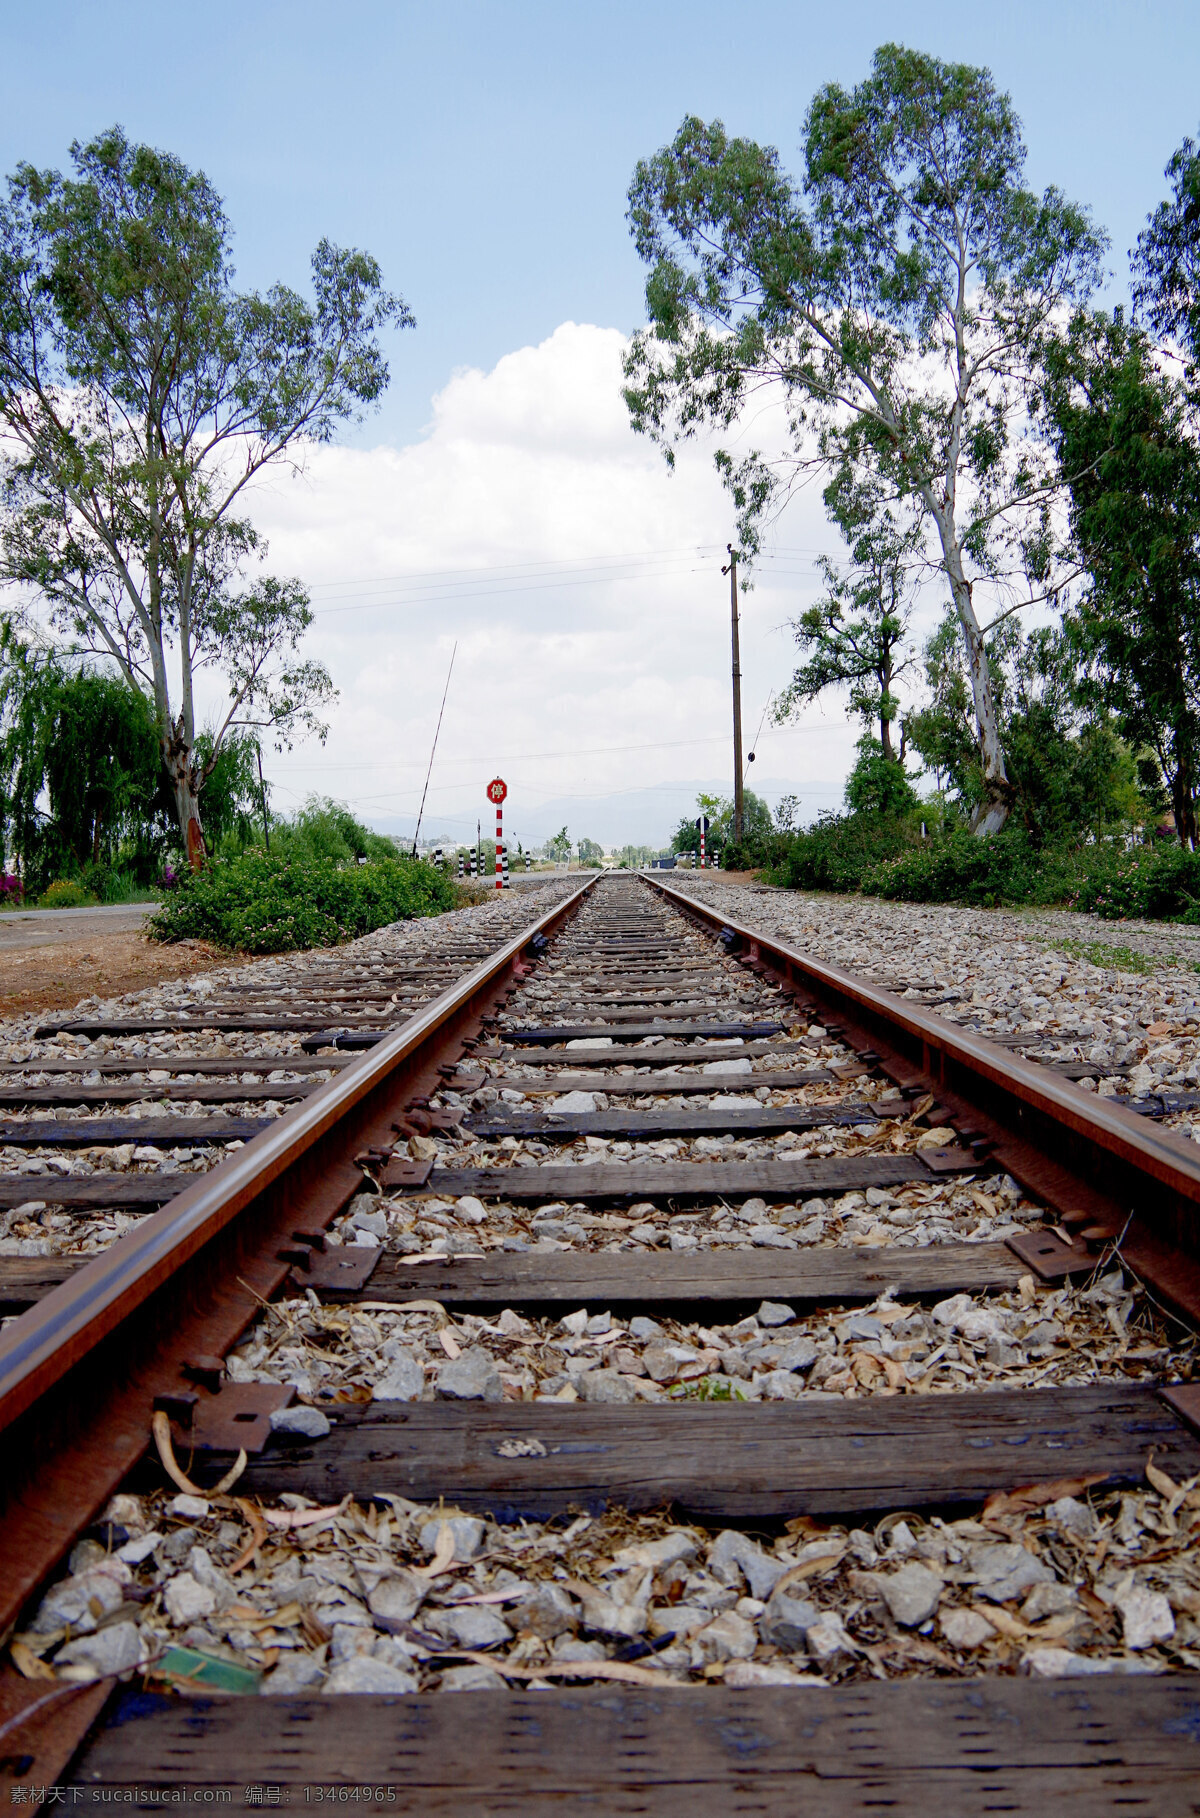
x=66 y=893
x=961 y=868
x=839 y=851
x=885 y=856
x=1156 y=883
x=272 y=903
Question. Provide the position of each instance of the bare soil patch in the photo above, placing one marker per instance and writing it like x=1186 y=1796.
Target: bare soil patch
x=98 y=965
x=728 y=877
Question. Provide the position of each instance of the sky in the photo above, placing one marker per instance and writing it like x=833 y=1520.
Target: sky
x=498 y=501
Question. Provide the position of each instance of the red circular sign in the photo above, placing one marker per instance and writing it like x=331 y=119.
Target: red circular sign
x=497 y=789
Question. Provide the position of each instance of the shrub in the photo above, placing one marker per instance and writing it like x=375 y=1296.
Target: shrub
x=270 y=903
x=1153 y=882
x=961 y=868
x=885 y=856
x=66 y=893
x=838 y=852
x=12 y=890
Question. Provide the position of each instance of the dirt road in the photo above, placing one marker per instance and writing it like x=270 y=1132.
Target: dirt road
x=50 y=958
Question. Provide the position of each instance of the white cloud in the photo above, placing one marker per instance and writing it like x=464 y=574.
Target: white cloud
x=582 y=583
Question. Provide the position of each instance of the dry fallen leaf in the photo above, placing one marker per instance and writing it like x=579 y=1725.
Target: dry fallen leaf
x=1036 y=1495
x=808 y=1568
x=257 y=1535
x=1012 y=1626
x=27 y=1662
x=1174 y=1494
x=161 y=1428
x=314 y=1630
x=302 y=1518
x=443 y=1555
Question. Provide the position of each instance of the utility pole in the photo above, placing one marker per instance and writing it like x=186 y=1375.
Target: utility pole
x=731 y=571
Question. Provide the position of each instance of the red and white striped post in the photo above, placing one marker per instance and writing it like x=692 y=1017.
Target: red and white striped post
x=497 y=789
x=703 y=825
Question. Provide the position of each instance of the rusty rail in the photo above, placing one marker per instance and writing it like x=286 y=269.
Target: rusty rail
x=81 y=1371
x=1104 y=1169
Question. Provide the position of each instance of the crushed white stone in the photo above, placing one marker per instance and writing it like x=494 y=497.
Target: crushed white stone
x=347 y=1601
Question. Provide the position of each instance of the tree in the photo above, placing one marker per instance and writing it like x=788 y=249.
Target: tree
x=590 y=853
x=942 y=730
x=325 y=829
x=233 y=799
x=756 y=823
x=1166 y=288
x=1069 y=772
x=1122 y=430
x=856 y=634
x=878 y=784
x=140 y=394
x=898 y=316
x=559 y=848
x=82 y=743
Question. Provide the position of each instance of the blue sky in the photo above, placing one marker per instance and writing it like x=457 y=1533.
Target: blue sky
x=483 y=153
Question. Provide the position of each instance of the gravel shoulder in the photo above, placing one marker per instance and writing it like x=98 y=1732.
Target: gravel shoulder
x=1069 y=987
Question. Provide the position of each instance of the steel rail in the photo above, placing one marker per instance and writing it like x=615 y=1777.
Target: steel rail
x=1072 y=1149
x=80 y=1371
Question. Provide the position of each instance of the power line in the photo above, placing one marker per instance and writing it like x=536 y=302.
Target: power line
x=415 y=577
x=411 y=591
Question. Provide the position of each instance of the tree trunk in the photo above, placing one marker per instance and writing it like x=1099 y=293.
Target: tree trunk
x=187 y=801
x=188 y=809
x=992 y=812
x=1183 y=791
x=884 y=677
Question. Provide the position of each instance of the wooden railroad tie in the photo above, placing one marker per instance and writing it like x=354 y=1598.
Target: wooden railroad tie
x=727 y=1462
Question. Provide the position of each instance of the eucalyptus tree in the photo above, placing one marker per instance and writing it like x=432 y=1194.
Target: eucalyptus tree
x=1121 y=422
x=894 y=302
x=1166 y=260
x=856 y=635
x=141 y=394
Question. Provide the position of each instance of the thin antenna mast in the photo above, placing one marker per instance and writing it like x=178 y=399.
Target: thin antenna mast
x=433 y=753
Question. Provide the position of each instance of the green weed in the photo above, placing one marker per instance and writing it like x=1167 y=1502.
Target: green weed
x=1099 y=953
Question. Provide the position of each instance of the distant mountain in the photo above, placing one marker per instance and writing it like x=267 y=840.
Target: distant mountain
x=638 y=817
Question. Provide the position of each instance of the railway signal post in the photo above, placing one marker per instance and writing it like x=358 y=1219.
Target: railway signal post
x=497 y=789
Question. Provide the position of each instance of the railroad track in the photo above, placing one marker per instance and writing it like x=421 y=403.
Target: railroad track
x=783 y=1394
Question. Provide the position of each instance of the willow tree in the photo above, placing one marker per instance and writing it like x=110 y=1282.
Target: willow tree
x=140 y=395
x=894 y=301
